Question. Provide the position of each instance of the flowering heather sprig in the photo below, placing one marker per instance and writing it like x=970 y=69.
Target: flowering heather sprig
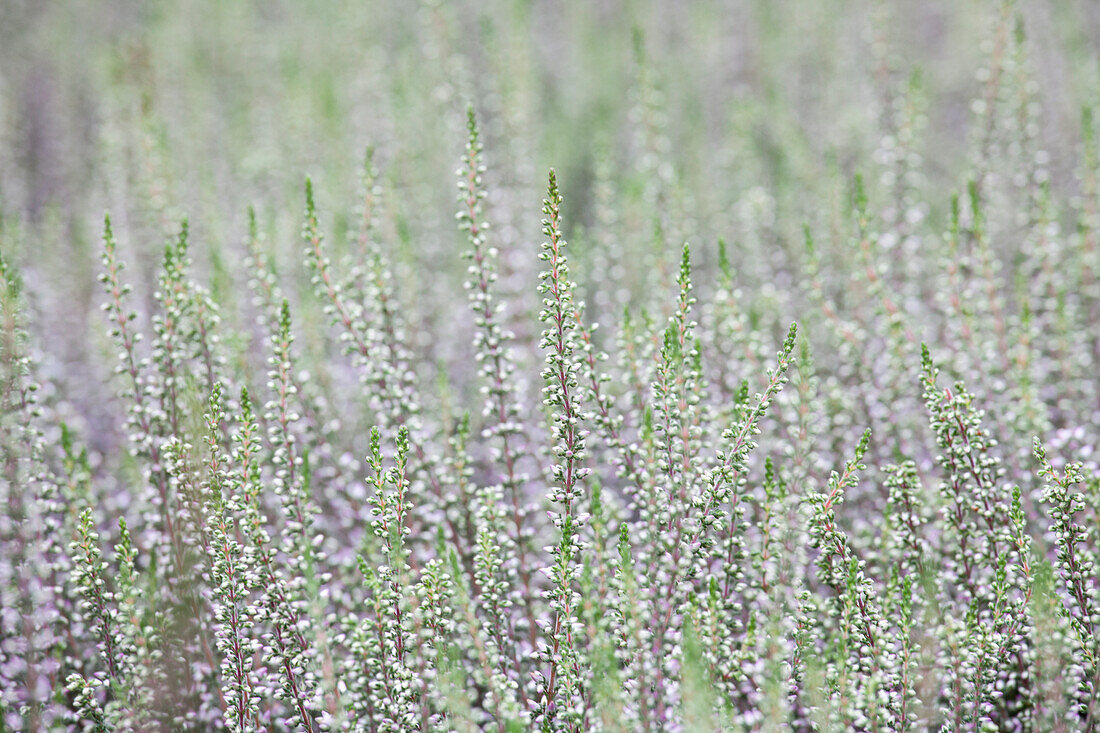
x=596 y=582
x=1015 y=589
x=649 y=123
x=562 y=703
x=858 y=610
x=717 y=550
x=678 y=395
x=206 y=337
x=848 y=337
x=231 y=578
x=505 y=698
x=379 y=350
x=985 y=539
x=637 y=346
x=182 y=464
x=433 y=621
x=128 y=646
x=807 y=640
x=1029 y=417
x=157 y=411
x=700 y=562
x=284 y=646
x=35 y=559
x=667 y=523
x=304 y=558
x=973 y=504
x=349 y=315
x=907 y=554
x=391 y=511
x=608 y=420
x=905 y=540
x=631 y=634
x=492 y=348
x=765 y=570
x=145 y=419
x=496 y=633
x=269 y=298
x=870 y=258
x=140 y=636
x=395 y=698
x=89 y=571
x=174 y=332
x=290 y=481
x=1077 y=563
x=372 y=332
x=671 y=423
x=956 y=295
x=907 y=650
x=370 y=195
x=724 y=483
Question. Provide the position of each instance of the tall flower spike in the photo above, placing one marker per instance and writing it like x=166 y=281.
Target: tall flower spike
x=976 y=506
x=231 y=578
x=32 y=536
x=1077 y=562
x=283 y=650
x=299 y=545
x=561 y=703
x=491 y=344
x=145 y=419
x=394 y=692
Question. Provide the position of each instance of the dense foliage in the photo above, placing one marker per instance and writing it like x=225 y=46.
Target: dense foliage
x=316 y=458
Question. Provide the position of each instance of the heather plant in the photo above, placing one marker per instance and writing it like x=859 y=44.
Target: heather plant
x=779 y=412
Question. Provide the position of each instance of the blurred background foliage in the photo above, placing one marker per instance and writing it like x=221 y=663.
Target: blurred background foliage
x=667 y=121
